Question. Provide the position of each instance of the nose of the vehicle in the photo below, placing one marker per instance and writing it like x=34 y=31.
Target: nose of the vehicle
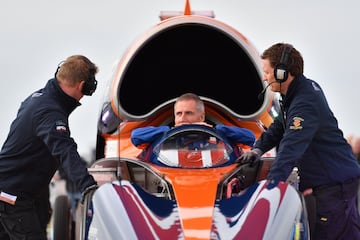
x=188 y=54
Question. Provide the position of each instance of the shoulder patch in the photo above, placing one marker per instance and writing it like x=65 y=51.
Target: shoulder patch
x=37 y=94
x=61 y=126
x=297 y=121
x=315 y=86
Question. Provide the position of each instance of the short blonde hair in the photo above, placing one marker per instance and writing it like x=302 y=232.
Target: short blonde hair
x=75 y=69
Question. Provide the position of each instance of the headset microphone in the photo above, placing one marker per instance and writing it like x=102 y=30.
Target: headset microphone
x=261 y=94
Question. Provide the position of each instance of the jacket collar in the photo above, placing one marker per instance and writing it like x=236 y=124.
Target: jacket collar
x=67 y=102
x=293 y=88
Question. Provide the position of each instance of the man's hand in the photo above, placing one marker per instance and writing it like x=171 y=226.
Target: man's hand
x=250 y=157
x=88 y=190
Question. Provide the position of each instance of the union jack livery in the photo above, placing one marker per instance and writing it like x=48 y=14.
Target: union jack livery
x=185 y=183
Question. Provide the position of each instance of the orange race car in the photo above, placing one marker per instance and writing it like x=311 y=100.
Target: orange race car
x=188 y=193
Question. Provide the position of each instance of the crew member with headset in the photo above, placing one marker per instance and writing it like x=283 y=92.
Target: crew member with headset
x=38 y=143
x=308 y=136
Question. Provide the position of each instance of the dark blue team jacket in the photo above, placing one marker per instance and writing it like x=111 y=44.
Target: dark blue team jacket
x=39 y=140
x=310 y=139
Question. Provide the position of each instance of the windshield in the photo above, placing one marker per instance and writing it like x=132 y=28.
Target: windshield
x=193 y=148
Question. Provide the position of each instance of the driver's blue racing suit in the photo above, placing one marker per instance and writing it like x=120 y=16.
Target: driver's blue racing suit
x=148 y=137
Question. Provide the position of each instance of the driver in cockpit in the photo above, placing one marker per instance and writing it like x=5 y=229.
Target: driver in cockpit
x=189 y=109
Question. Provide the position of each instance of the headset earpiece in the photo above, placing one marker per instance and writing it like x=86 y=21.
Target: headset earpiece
x=89 y=86
x=281 y=70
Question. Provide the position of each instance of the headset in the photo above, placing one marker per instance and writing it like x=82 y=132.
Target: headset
x=281 y=70
x=90 y=84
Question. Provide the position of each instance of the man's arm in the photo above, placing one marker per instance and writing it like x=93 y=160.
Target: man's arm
x=237 y=134
x=146 y=135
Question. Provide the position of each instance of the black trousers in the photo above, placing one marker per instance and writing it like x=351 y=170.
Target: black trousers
x=336 y=215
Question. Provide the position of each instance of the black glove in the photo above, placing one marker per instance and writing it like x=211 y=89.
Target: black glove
x=250 y=157
x=88 y=190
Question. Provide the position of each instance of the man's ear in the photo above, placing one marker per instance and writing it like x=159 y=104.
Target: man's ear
x=203 y=117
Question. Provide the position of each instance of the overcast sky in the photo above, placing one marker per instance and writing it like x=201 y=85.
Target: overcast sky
x=36 y=35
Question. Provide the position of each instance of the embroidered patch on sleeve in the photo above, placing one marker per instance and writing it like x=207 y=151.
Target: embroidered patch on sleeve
x=296 y=125
x=61 y=126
